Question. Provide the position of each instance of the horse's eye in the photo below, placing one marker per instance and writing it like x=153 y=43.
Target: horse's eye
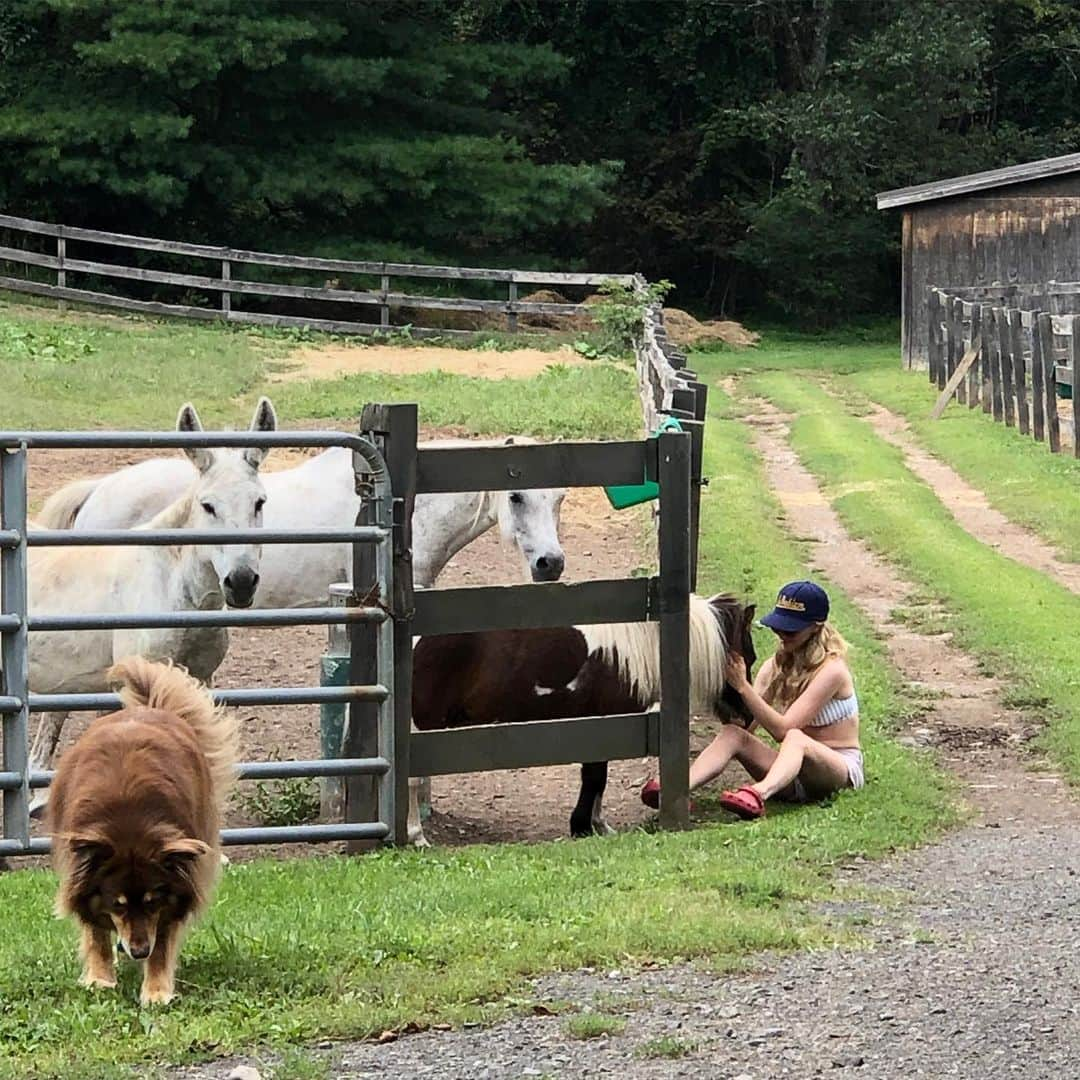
x=516 y=498
x=259 y=504
x=209 y=508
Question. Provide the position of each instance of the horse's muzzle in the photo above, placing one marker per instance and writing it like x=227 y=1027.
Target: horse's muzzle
x=239 y=587
x=548 y=567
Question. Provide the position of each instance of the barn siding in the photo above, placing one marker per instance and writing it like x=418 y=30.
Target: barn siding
x=1003 y=236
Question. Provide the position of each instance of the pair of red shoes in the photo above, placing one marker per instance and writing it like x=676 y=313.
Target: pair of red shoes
x=745 y=802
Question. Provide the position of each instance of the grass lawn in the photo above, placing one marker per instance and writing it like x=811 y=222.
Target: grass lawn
x=1015 y=619
x=1019 y=476
x=294 y=951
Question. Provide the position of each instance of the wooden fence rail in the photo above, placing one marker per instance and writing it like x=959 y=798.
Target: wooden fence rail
x=1021 y=351
x=224 y=282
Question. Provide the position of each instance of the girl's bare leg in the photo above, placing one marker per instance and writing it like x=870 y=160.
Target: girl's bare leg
x=733 y=743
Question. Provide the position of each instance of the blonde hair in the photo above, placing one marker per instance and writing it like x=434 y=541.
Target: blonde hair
x=793 y=671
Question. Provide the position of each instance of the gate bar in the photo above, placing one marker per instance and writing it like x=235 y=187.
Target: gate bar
x=171 y=537
x=248 y=770
x=285 y=695
x=178 y=440
x=167 y=620
x=271 y=834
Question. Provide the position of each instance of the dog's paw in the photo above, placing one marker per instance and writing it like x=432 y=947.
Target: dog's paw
x=418 y=839
x=98 y=980
x=157 y=994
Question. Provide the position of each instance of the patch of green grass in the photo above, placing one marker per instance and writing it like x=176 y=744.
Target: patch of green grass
x=666 y=1046
x=1019 y=476
x=594 y=1025
x=298 y=1065
x=1015 y=619
x=843 y=352
x=78 y=371
x=590 y=401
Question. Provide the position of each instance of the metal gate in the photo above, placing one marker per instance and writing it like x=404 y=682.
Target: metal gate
x=368 y=746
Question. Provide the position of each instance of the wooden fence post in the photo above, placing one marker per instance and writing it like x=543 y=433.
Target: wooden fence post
x=934 y=334
x=1048 y=361
x=384 y=306
x=226 y=296
x=973 y=383
x=511 y=314
x=986 y=394
x=1016 y=340
x=965 y=335
x=995 y=365
x=1038 y=397
x=1008 y=401
x=954 y=338
x=673 y=473
x=61 y=273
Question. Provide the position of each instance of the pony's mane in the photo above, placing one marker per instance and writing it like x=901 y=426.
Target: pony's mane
x=634 y=649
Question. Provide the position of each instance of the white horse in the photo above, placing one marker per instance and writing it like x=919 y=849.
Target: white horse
x=223 y=490
x=320 y=493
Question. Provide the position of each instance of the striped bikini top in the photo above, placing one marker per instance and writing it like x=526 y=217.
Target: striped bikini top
x=836 y=710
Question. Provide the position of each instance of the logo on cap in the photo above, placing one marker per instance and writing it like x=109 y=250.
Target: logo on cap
x=788 y=604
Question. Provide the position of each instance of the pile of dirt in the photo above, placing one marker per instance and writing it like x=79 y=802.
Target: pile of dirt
x=491 y=320
x=687 y=331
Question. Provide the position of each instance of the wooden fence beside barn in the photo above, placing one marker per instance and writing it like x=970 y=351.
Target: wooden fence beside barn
x=1013 y=351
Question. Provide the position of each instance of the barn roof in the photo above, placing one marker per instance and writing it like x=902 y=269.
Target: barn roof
x=980 y=181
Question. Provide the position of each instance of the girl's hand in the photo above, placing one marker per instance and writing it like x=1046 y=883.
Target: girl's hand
x=735 y=673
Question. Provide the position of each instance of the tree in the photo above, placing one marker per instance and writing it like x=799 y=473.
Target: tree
x=362 y=125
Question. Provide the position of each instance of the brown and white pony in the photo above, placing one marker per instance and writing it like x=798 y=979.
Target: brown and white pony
x=507 y=676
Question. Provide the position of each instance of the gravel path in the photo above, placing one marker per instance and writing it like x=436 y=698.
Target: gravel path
x=968 y=968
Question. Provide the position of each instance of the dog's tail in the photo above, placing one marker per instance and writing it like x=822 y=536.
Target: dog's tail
x=62 y=507
x=172 y=689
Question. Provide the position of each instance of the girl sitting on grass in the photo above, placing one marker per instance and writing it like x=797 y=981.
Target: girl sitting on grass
x=804 y=697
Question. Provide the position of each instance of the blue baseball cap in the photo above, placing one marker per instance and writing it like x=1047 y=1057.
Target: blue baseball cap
x=799 y=604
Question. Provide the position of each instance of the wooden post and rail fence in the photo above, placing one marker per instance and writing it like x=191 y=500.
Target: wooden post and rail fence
x=672 y=460
x=1012 y=351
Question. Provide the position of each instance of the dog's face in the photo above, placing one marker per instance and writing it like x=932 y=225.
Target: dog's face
x=136 y=893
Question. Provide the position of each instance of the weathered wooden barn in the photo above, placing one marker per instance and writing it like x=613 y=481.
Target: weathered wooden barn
x=1014 y=226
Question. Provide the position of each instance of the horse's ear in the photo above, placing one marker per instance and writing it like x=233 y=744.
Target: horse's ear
x=265 y=419
x=188 y=420
x=748 y=612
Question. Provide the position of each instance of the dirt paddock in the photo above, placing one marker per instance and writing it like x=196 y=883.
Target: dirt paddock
x=517 y=805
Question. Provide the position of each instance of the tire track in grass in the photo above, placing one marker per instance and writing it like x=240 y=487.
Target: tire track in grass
x=966 y=719
x=1018 y=622
x=970 y=506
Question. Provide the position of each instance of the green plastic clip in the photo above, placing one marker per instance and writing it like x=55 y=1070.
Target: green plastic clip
x=623 y=495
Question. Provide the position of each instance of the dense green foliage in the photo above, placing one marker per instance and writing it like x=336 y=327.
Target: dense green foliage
x=734 y=148
x=362 y=126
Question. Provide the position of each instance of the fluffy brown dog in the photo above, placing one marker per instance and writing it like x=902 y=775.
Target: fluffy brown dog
x=135 y=810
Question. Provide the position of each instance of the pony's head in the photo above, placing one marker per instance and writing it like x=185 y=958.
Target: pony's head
x=228 y=494
x=736 y=622
x=530 y=519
